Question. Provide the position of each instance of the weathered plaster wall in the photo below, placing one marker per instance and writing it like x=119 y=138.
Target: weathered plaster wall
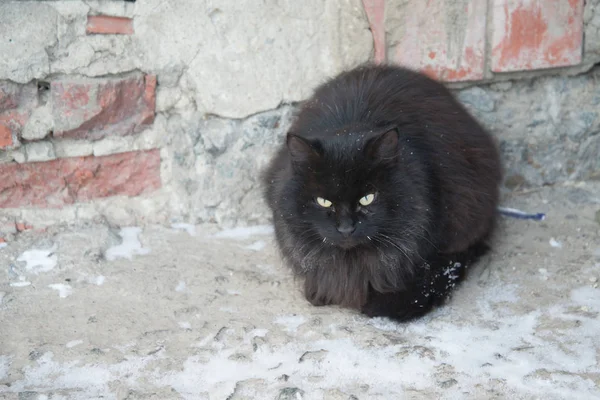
x=166 y=111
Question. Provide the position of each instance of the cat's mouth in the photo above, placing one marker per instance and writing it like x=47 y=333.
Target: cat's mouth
x=347 y=243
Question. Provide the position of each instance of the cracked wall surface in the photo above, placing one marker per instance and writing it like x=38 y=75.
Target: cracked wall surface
x=209 y=88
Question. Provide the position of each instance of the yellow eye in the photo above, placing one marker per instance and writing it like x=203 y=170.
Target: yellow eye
x=366 y=200
x=323 y=203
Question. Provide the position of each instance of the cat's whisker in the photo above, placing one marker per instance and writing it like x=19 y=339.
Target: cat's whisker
x=389 y=241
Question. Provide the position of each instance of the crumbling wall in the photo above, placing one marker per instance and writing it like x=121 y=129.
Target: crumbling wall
x=160 y=111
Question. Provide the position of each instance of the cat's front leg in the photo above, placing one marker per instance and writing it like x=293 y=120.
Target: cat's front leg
x=400 y=306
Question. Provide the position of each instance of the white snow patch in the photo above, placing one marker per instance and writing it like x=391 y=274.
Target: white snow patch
x=98 y=280
x=73 y=343
x=185 y=325
x=189 y=228
x=555 y=243
x=39 y=260
x=64 y=290
x=587 y=296
x=290 y=322
x=256 y=246
x=20 y=284
x=385 y=324
x=4 y=365
x=180 y=287
x=525 y=359
x=233 y=292
x=93 y=380
x=129 y=247
x=245 y=232
x=3 y=245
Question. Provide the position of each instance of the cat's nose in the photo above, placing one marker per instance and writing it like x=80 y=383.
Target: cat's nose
x=346 y=229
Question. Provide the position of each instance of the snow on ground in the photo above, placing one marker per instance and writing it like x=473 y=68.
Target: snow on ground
x=215 y=315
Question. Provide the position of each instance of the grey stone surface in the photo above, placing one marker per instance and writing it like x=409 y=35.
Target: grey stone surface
x=547 y=126
x=111 y=145
x=39 y=151
x=39 y=124
x=28 y=32
x=254 y=64
x=591 y=19
x=221 y=175
x=73 y=148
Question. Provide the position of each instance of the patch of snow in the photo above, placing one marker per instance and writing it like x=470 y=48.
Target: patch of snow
x=3 y=245
x=64 y=290
x=189 y=228
x=587 y=296
x=385 y=324
x=256 y=246
x=180 y=287
x=95 y=380
x=245 y=232
x=233 y=292
x=290 y=322
x=185 y=325
x=129 y=247
x=4 y=365
x=555 y=243
x=73 y=343
x=37 y=261
x=99 y=280
x=267 y=268
x=20 y=284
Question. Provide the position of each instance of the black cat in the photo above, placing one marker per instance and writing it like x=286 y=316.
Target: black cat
x=385 y=191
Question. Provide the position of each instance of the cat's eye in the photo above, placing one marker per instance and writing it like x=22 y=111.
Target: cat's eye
x=323 y=202
x=366 y=200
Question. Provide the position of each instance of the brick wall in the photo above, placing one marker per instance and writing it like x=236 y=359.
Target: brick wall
x=152 y=112
x=476 y=40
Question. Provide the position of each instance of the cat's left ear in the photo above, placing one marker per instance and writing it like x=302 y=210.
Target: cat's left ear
x=301 y=149
x=383 y=146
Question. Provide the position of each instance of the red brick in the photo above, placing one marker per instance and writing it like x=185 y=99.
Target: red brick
x=16 y=104
x=79 y=179
x=9 y=96
x=22 y=226
x=375 y=10
x=13 y=96
x=93 y=109
x=11 y=123
x=109 y=25
x=430 y=36
x=6 y=139
x=536 y=34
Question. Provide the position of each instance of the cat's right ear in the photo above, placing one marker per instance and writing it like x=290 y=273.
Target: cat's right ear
x=383 y=146
x=301 y=149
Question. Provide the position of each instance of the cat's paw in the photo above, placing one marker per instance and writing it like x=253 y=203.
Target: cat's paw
x=397 y=306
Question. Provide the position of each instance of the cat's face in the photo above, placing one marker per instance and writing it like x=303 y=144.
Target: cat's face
x=344 y=186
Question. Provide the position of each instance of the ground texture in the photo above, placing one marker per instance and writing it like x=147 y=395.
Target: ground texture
x=186 y=312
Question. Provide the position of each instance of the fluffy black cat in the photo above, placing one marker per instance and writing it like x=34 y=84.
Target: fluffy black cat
x=384 y=192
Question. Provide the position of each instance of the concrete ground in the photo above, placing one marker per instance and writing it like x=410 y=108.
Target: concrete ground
x=94 y=312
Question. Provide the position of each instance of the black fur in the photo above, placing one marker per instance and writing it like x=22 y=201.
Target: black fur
x=435 y=174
